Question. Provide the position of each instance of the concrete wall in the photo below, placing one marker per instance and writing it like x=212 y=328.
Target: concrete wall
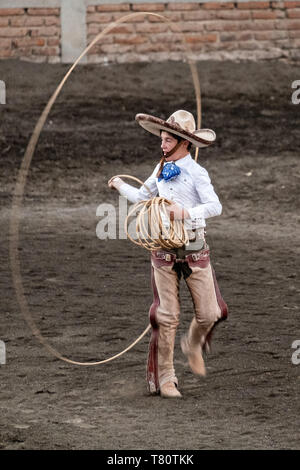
x=59 y=30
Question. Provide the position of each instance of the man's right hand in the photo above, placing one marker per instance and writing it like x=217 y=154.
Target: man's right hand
x=115 y=182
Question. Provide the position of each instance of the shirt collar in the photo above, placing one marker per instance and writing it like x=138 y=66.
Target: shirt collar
x=183 y=161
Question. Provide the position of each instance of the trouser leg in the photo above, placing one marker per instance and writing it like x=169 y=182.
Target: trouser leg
x=165 y=312
x=206 y=307
x=209 y=308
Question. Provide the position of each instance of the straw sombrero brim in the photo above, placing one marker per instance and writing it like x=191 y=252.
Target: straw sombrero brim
x=200 y=138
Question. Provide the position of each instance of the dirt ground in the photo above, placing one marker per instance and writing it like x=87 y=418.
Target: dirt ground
x=90 y=298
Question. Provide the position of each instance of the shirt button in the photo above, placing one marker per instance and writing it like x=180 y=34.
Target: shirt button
x=171 y=189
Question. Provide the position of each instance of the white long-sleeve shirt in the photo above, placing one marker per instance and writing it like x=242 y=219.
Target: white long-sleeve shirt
x=192 y=189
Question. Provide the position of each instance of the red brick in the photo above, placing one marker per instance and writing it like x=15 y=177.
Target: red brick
x=270 y=35
x=94 y=50
x=277 y=5
x=294 y=34
x=148 y=7
x=280 y=13
x=253 y=5
x=248 y=45
x=137 y=17
x=5 y=53
x=292 y=24
x=115 y=48
x=11 y=11
x=45 y=51
x=43 y=11
x=292 y=4
x=94 y=29
x=123 y=29
x=177 y=47
x=166 y=38
x=52 y=20
x=234 y=15
x=192 y=26
x=13 y=32
x=129 y=39
x=227 y=26
x=28 y=41
x=224 y=37
x=5 y=43
x=183 y=6
x=264 y=15
x=293 y=13
x=44 y=31
x=27 y=21
x=217 y=6
x=150 y=47
x=236 y=37
x=91 y=9
x=120 y=7
x=171 y=15
x=99 y=18
x=201 y=38
x=214 y=25
x=198 y=15
x=152 y=28
x=3 y=21
x=104 y=40
x=263 y=25
x=23 y=50
x=198 y=46
x=53 y=42
x=295 y=43
x=245 y=36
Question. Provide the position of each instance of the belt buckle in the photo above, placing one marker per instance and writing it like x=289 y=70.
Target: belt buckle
x=168 y=257
x=195 y=256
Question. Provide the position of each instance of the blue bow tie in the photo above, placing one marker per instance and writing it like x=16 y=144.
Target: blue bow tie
x=169 y=172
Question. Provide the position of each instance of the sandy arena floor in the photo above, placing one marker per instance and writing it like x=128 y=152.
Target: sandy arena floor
x=90 y=298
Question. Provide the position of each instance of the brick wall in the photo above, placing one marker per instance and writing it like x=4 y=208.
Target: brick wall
x=229 y=30
x=30 y=33
x=252 y=30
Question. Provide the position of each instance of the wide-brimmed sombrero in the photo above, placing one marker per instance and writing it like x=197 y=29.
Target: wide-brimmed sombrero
x=181 y=123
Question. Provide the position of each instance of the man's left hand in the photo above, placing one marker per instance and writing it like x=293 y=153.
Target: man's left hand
x=177 y=212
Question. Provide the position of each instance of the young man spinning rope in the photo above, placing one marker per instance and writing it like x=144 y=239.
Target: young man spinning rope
x=187 y=185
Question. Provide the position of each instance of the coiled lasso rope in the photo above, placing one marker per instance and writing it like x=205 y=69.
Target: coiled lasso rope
x=151 y=231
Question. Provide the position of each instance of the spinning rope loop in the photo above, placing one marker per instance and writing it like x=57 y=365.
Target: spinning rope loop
x=21 y=183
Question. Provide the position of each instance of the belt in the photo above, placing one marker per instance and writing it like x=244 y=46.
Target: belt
x=163 y=255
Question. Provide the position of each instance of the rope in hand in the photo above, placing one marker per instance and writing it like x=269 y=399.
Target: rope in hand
x=151 y=212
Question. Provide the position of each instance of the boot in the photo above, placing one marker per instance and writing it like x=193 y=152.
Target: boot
x=166 y=372
x=169 y=390
x=194 y=356
x=192 y=344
